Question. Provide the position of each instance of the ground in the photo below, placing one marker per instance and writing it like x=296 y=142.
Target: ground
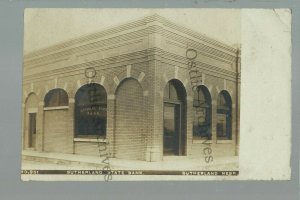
x=59 y=161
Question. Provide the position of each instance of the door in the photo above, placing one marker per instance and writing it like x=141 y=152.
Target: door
x=171 y=138
x=32 y=130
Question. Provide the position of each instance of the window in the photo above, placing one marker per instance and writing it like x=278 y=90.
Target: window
x=174 y=91
x=90 y=111
x=202 y=113
x=56 y=97
x=170 y=92
x=224 y=116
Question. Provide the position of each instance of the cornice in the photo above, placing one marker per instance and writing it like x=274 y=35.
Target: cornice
x=83 y=42
x=124 y=39
x=170 y=58
x=87 y=46
x=192 y=33
x=87 y=37
x=122 y=60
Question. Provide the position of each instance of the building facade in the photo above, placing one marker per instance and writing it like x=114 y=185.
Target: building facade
x=129 y=87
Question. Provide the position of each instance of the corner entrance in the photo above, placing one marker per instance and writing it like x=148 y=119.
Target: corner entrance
x=171 y=129
x=174 y=133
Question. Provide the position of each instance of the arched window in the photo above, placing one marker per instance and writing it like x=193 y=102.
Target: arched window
x=202 y=113
x=224 y=108
x=90 y=111
x=56 y=97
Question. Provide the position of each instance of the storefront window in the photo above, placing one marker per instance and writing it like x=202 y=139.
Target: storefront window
x=224 y=116
x=90 y=111
x=202 y=113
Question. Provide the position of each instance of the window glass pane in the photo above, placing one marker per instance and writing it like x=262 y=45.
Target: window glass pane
x=202 y=113
x=63 y=98
x=173 y=92
x=221 y=126
x=224 y=116
x=90 y=110
x=201 y=96
x=56 y=97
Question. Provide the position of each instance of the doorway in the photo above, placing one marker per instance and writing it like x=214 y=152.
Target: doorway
x=32 y=130
x=171 y=129
x=174 y=119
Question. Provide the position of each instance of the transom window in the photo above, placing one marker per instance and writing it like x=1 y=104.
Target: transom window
x=202 y=113
x=90 y=111
x=56 y=97
x=173 y=90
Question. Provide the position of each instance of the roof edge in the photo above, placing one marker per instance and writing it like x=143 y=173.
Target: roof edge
x=127 y=25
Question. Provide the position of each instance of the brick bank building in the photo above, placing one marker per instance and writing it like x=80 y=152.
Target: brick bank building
x=129 y=87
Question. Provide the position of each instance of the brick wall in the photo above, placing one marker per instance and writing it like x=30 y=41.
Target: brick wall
x=87 y=148
x=217 y=149
x=215 y=83
x=57 y=137
x=129 y=131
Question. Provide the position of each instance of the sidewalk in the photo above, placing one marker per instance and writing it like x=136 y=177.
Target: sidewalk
x=44 y=160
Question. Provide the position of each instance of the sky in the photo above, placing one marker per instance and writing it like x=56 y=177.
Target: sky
x=46 y=27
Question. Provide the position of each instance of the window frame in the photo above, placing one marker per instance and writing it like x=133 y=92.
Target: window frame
x=208 y=112
x=59 y=94
x=224 y=109
x=78 y=136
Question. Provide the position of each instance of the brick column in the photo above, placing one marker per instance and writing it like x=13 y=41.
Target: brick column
x=189 y=125
x=155 y=111
x=148 y=125
x=237 y=106
x=146 y=134
x=214 y=121
x=23 y=125
x=157 y=128
x=233 y=125
x=110 y=125
x=40 y=127
x=25 y=128
x=238 y=122
x=71 y=124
